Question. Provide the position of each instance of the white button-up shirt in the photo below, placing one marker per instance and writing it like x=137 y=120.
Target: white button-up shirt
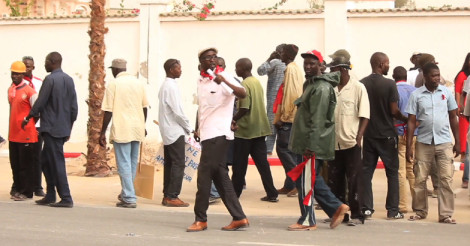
x=173 y=122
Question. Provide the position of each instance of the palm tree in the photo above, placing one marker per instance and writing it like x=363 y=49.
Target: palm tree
x=96 y=156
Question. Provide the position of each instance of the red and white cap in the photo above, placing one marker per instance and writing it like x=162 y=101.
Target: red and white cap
x=315 y=53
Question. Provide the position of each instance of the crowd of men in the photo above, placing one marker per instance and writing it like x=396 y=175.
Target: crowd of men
x=320 y=120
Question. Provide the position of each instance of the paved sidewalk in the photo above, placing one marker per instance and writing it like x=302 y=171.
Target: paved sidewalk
x=102 y=192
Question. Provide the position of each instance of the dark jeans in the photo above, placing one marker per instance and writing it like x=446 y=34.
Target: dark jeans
x=37 y=176
x=387 y=150
x=288 y=159
x=212 y=167
x=255 y=147
x=173 y=168
x=21 y=161
x=53 y=166
x=345 y=171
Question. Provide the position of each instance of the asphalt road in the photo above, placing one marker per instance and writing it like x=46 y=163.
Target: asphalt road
x=23 y=223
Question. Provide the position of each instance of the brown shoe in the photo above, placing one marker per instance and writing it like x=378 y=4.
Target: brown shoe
x=292 y=193
x=465 y=184
x=236 y=224
x=165 y=201
x=299 y=227
x=338 y=216
x=197 y=226
x=283 y=191
x=176 y=202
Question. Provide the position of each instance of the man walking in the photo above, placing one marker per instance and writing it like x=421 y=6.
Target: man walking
x=380 y=138
x=216 y=95
x=405 y=168
x=313 y=135
x=35 y=83
x=174 y=126
x=434 y=107
x=352 y=114
x=126 y=102
x=57 y=109
x=290 y=90
x=274 y=68
x=21 y=141
x=253 y=127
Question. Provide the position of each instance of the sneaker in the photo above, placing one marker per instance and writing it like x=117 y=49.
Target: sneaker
x=213 y=200
x=367 y=214
x=19 y=197
x=396 y=217
x=126 y=205
x=269 y=199
x=355 y=222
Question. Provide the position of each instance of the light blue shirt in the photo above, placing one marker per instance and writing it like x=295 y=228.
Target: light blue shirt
x=432 y=113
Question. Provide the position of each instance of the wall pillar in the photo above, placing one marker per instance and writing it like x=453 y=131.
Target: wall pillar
x=336 y=25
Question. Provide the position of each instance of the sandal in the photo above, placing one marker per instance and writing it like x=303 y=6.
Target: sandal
x=415 y=217
x=448 y=220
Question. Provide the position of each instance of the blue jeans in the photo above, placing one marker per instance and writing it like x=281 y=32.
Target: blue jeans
x=288 y=158
x=127 y=155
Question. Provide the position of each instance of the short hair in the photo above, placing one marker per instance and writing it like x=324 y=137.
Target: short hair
x=399 y=73
x=28 y=58
x=291 y=50
x=245 y=63
x=428 y=67
x=169 y=64
x=55 y=57
x=377 y=58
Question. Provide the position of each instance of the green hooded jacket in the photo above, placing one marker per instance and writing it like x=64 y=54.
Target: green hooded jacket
x=314 y=122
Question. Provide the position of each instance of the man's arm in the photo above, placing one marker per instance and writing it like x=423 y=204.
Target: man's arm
x=409 y=137
x=106 y=119
x=461 y=101
x=363 y=122
x=40 y=103
x=454 y=125
x=396 y=112
x=238 y=91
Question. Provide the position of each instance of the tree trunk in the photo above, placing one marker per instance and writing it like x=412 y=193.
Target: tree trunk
x=96 y=156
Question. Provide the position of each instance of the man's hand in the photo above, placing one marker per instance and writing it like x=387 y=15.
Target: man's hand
x=234 y=126
x=409 y=155
x=196 y=136
x=24 y=123
x=102 y=140
x=274 y=55
x=308 y=153
x=359 y=141
x=278 y=124
x=456 y=149
x=219 y=79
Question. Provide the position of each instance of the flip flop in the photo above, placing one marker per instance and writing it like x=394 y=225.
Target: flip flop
x=415 y=217
x=448 y=220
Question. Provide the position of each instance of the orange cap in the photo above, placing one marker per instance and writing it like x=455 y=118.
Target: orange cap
x=18 y=67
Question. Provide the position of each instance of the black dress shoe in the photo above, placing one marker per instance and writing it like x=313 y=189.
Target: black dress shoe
x=62 y=204
x=44 y=202
x=39 y=193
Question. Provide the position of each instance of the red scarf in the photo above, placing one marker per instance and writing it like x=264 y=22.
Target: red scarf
x=279 y=96
x=12 y=90
x=295 y=173
x=217 y=70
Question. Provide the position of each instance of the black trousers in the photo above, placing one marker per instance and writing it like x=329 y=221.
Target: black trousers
x=173 y=169
x=37 y=173
x=212 y=167
x=387 y=150
x=21 y=161
x=255 y=147
x=346 y=168
x=53 y=166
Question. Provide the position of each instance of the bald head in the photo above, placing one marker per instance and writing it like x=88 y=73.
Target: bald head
x=379 y=63
x=243 y=67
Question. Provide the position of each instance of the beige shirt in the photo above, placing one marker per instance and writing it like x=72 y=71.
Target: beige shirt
x=293 y=81
x=125 y=97
x=352 y=103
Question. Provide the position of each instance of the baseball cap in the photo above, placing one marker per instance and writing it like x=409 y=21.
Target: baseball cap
x=315 y=53
x=118 y=63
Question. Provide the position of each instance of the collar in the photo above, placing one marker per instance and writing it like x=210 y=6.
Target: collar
x=204 y=74
x=401 y=82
